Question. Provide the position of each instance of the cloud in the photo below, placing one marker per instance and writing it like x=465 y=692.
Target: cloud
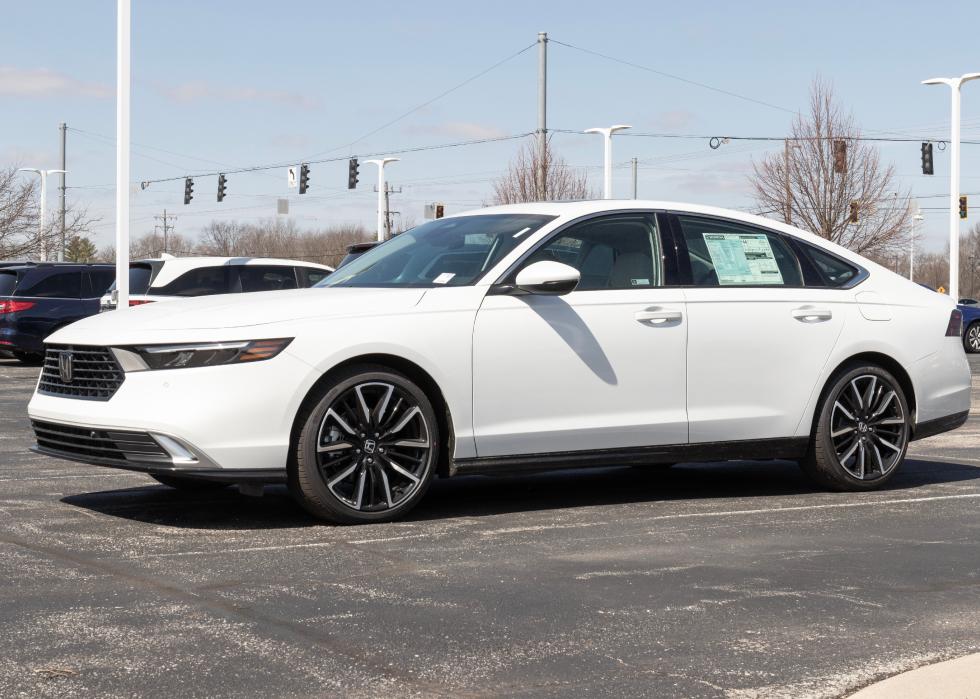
x=674 y=120
x=200 y=90
x=41 y=82
x=459 y=129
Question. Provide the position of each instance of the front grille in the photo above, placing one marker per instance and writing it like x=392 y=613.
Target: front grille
x=98 y=444
x=96 y=375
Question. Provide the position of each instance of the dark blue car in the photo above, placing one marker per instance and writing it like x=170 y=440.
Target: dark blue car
x=971 y=325
x=38 y=298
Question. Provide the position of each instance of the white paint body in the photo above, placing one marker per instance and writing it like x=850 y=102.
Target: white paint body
x=535 y=374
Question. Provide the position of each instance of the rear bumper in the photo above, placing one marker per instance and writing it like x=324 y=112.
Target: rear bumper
x=939 y=425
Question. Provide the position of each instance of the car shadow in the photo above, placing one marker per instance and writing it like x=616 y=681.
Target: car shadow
x=479 y=496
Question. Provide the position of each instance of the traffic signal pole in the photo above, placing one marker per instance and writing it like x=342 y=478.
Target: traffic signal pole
x=382 y=194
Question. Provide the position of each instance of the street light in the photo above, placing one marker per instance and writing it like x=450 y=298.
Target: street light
x=44 y=195
x=607 y=160
x=954 y=179
x=382 y=194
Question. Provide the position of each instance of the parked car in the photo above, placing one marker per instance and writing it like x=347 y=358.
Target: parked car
x=968 y=302
x=356 y=250
x=168 y=278
x=523 y=337
x=38 y=298
x=971 y=326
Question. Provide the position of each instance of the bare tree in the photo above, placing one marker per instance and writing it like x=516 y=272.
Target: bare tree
x=820 y=194
x=521 y=184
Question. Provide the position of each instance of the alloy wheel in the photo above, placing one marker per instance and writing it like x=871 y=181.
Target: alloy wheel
x=868 y=427
x=373 y=446
x=973 y=337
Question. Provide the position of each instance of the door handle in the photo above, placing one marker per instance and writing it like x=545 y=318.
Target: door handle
x=812 y=314
x=656 y=317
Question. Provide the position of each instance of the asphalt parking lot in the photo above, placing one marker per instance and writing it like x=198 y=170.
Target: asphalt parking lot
x=722 y=580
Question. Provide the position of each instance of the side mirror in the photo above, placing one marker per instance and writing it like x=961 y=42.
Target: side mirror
x=548 y=278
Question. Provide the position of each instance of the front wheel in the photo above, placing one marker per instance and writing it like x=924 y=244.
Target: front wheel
x=367 y=450
x=971 y=338
x=862 y=431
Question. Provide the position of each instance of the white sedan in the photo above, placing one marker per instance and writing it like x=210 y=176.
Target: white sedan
x=520 y=338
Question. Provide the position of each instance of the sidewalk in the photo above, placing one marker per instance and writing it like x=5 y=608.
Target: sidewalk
x=953 y=679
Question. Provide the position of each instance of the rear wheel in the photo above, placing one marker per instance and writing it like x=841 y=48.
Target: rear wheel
x=862 y=430
x=367 y=450
x=188 y=484
x=971 y=338
x=29 y=358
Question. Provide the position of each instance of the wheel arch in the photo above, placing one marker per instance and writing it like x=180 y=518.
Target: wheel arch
x=886 y=362
x=404 y=366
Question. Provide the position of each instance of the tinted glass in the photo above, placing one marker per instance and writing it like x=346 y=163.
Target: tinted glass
x=8 y=282
x=835 y=271
x=730 y=254
x=266 y=278
x=51 y=283
x=198 y=282
x=101 y=280
x=311 y=275
x=612 y=252
x=445 y=252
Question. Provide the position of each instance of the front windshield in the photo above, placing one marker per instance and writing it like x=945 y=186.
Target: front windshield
x=446 y=252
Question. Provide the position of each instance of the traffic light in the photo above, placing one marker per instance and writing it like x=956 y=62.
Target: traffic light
x=304 y=178
x=926 y=158
x=855 y=207
x=962 y=207
x=188 y=190
x=352 y=172
x=440 y=210
x=840 y=156
x=222 y=185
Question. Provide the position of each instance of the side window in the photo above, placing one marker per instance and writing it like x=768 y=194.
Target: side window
x=266 y=277
x=204 y=281
x=724 y=253
x=308 y=276
x=100 y=280
x=834 y=271
x=612 y=252
x=45 y=283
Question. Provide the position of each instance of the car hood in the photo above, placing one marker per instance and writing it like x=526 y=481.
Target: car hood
x=230 y=311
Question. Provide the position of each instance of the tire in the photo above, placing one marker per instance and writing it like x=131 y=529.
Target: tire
x=29 y=359
x=188 y=485
x=971 y=338
x=368 y=448
x=861 y=433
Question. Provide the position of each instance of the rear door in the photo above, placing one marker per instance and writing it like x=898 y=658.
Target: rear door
x=758 y=338
x=55 y=294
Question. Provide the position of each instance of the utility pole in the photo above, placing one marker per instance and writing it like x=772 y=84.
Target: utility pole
x=916 y=217
x=61 y=187
x=788 y=213
x=166 y=227
x=543 y=115
x=635 y=164
x=388 y=212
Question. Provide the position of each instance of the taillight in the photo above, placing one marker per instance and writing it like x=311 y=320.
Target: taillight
x=138 y=302
x=955 y=327
x=14 y=306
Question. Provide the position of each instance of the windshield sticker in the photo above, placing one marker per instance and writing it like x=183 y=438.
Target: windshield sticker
x=743 y=258
x=443 y=278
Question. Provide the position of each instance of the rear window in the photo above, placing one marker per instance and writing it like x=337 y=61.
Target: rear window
x=311 y=275
x=204 y=281
x=8 y=282
x=51 y=283
x=101 y=279
x=266 y=278
x=140 y=277
x=834 y=271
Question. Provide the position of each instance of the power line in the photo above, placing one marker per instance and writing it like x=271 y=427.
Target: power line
x=722 y=139
x=673 y=77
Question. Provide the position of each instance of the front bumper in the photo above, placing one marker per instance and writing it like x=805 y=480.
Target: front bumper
x=234 y=419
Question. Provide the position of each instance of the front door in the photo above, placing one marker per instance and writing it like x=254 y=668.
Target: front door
x=602 y=367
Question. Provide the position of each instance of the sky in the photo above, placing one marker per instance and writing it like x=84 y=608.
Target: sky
x=219 y=85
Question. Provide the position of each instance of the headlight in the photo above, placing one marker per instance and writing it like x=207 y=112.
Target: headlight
x=199 y=354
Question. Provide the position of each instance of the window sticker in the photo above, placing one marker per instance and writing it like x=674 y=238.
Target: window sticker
x=743 y=258
x=443 y=278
